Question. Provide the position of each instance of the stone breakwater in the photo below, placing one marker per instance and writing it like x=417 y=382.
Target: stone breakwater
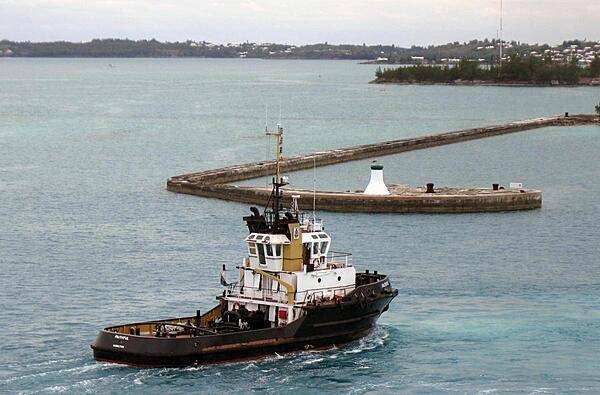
x=215 y=183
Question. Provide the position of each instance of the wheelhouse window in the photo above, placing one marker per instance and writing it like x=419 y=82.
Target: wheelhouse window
x=273 y=250
x=323 y=247
x=315 y=248
x=252 y=249
x=261 y=255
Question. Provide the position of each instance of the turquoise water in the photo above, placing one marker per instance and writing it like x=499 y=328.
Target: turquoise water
x=505 y=302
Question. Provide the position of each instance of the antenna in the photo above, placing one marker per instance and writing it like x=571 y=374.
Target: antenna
x=278 y=180
x=314 y=188
x=500 y=34
x=280 y=110
x=268 y=143
x=266 y=117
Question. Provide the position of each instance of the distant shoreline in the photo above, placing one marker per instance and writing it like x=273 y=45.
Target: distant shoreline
x=509 y=84
x=484 y=51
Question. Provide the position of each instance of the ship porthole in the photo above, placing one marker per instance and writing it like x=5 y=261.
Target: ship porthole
x=319 y=280
x=339 y=278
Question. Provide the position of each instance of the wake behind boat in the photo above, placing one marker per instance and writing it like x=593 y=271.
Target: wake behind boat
x=292 y=293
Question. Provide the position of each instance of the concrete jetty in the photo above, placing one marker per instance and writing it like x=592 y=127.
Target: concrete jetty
x=214 y=183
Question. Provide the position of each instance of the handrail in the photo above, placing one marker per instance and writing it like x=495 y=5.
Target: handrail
x=336 y=254
x=192 y=327
x=308 y=293
x=291 y=290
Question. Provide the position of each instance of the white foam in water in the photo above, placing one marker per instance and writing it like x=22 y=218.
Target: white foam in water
x=75 y=370
x=195 y=368
x=311 y=361
x=543 y=390
x=53 y=361
x=79 y=386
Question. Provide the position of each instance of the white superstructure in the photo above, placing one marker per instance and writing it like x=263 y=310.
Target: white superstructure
x=278 y=281
x=289 y=263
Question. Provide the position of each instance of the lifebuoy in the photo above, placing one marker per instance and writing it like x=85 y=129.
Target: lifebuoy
x=236 y=306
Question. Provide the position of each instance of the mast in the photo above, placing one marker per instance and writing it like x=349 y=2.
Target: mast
x=278 y=180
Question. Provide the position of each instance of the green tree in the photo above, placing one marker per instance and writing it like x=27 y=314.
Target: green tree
x=595 y=67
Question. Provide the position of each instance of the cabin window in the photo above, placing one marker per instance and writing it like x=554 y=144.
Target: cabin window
x=306 y=253
x=323 y=247
x=322 y=235
x=269 y=249
x=315 y=248
x=261 y=255
x=252 y=249
x=277 y=249
x=266 y=283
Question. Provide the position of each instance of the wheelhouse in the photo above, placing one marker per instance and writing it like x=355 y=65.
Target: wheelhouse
x=265 y=251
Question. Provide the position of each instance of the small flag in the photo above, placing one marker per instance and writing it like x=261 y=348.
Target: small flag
x=223 y=279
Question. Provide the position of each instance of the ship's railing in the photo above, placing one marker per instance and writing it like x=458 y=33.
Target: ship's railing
x=316 y=295
x=257 y=294
x=310 y=223
x=336 y=259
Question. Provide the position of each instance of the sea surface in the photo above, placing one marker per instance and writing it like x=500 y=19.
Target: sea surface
x=488 y=303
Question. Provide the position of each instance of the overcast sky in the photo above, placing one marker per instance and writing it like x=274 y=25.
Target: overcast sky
x=400 y=22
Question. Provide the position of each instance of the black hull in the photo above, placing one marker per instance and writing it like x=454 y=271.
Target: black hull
x=321 y=327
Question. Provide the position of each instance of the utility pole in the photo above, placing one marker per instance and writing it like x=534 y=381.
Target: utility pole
x=500 y=36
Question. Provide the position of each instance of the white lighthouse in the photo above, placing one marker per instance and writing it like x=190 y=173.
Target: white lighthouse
x=376 y=185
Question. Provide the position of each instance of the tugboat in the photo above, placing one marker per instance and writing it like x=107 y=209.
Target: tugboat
x=293 y=293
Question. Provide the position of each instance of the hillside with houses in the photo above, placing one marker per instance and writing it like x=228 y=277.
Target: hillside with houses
x=482 y=51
